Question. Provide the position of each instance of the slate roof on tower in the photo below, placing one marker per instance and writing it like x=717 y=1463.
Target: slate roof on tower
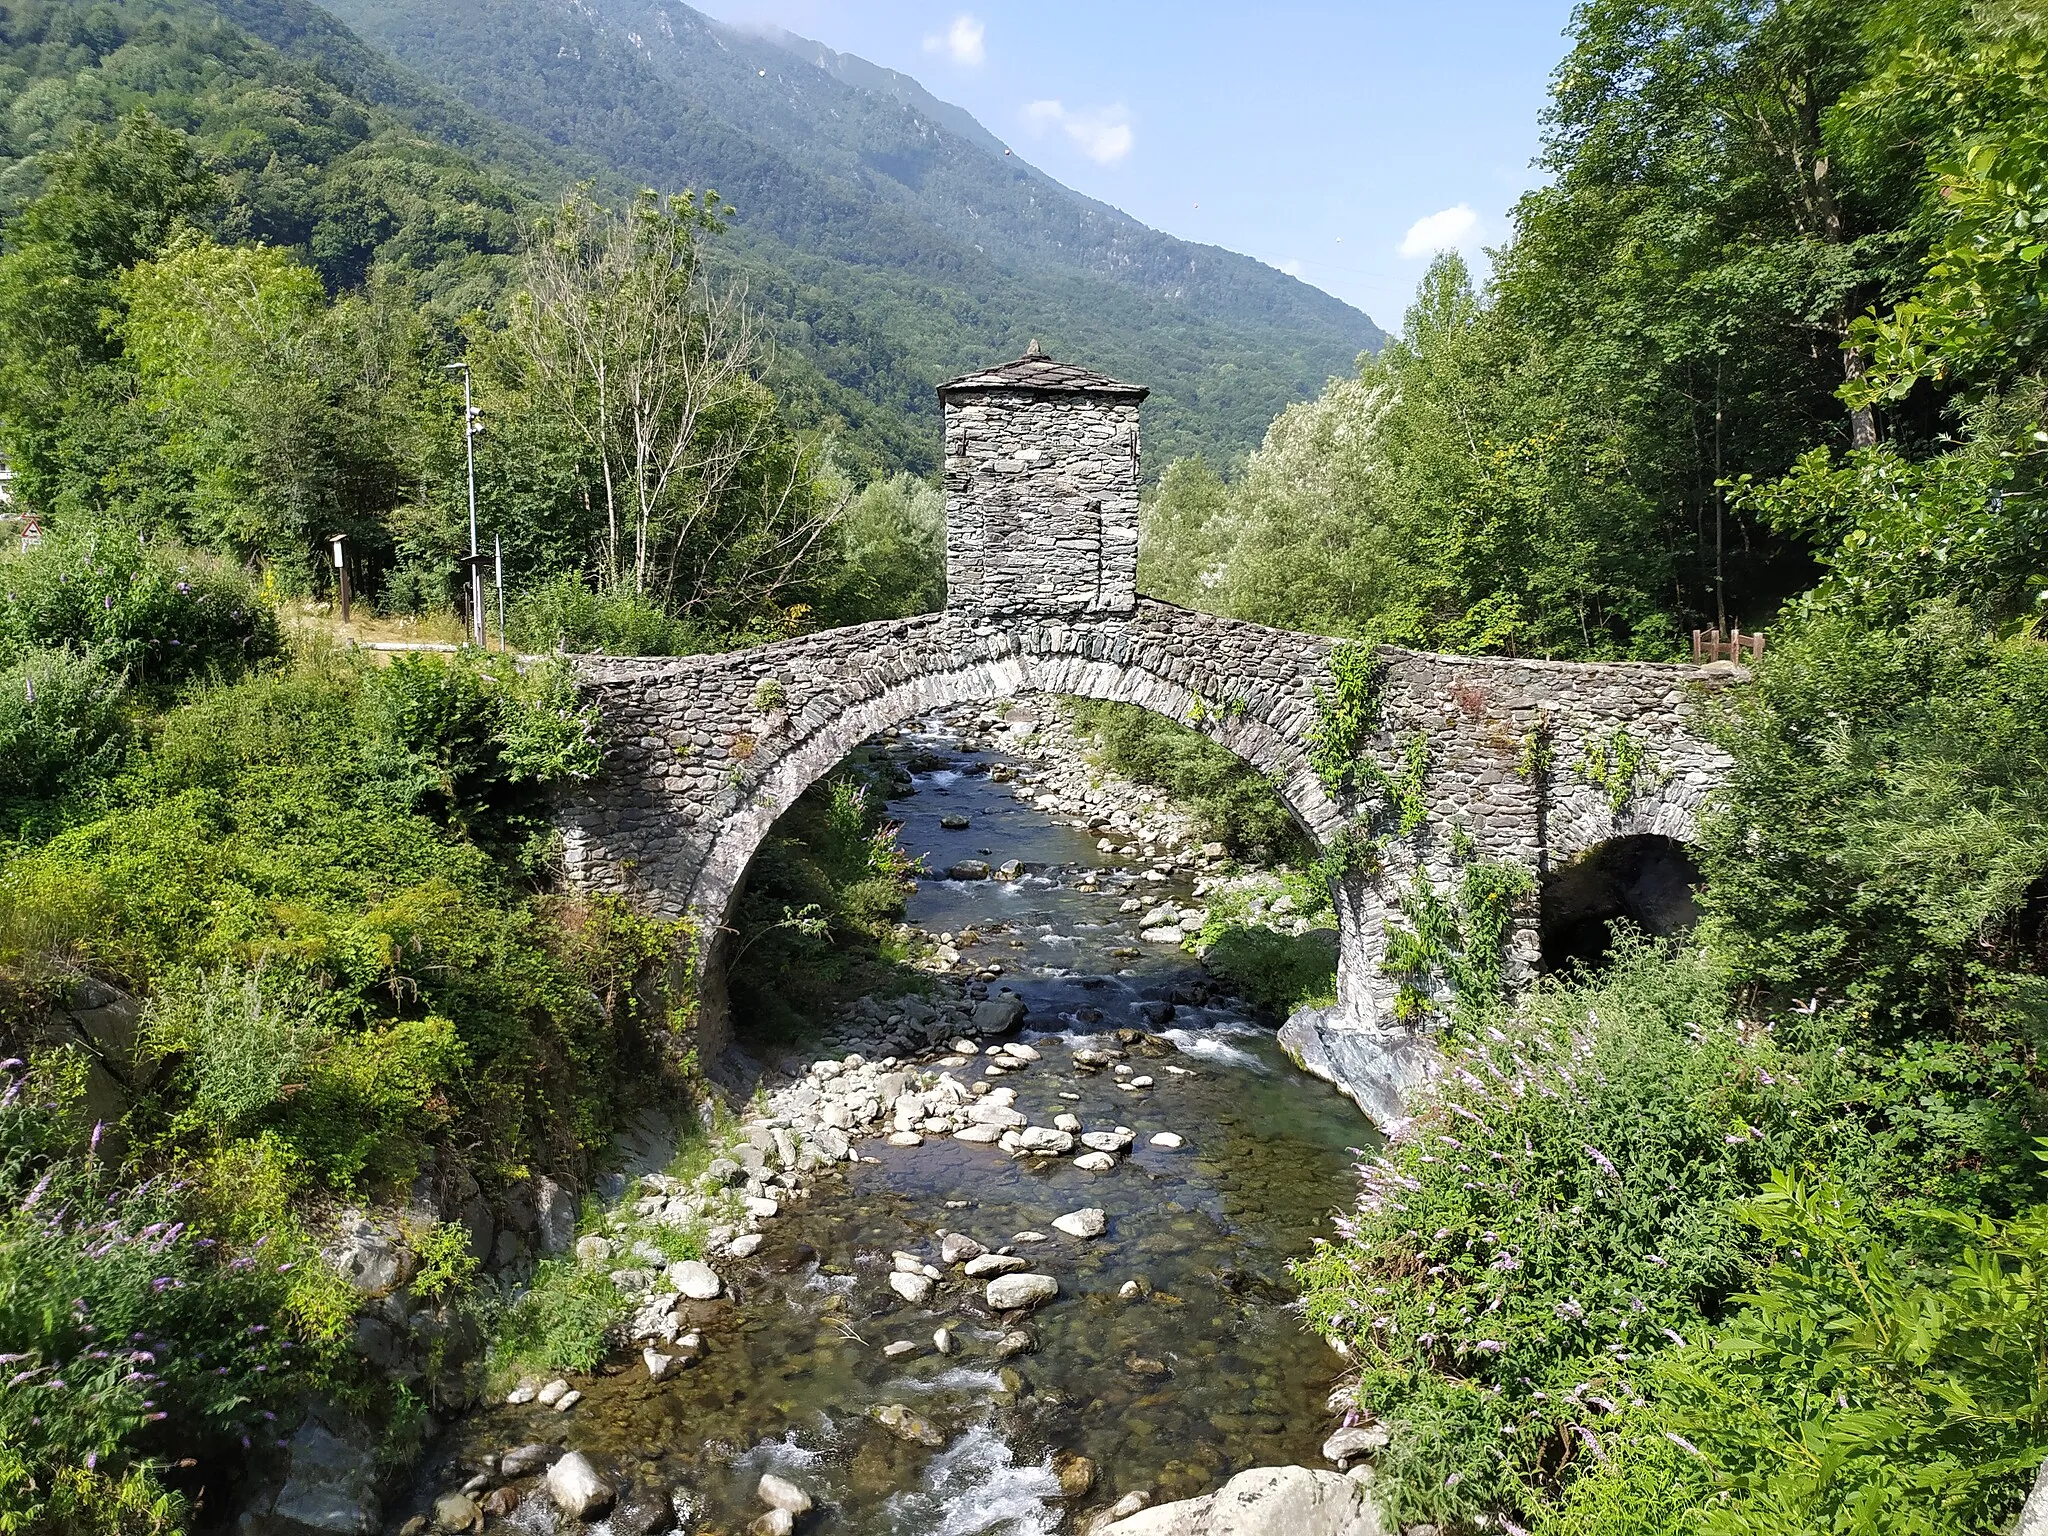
x=1039 y=374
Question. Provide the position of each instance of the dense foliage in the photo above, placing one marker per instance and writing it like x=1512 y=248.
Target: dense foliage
x=1746 y=1236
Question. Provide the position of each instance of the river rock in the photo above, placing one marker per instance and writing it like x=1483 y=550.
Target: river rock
x=657 y=1363
x=997 y=1015
x=984 y=1265
x=455 y=1512
x=576 y=1488
x=1167 y=1140
x=593 y=1252
x=958 y=1248
x=1090 y=1221
x=899 y=1348
x=1266 y=1501
x=1009 y=1292
x=942 y=1341
x=968 y=869
x=915 y=1289
x=992 y=1113
x=643 y=1512
x=746 y=1245
x=1095 y=1162
x=953 y=821
x=780 y=1493
x=696 y=1280
x=777 y=1522
x=1039 y=1138
x=1361 y=1440
x=1107 y=1141
x=552 y=1393
x=761 y=1208
x=1076 y=1475
x=1068 y=1123
x=567 y=1401
x=332 y=1485
x=1014 y=1343
x=906 y=1425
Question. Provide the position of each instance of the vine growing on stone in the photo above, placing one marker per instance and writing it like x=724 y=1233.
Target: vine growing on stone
x=1347 y=714
x=1615 y=767
x=1456 y=940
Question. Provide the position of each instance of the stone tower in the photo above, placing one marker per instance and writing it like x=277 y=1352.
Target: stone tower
x=1041 y=490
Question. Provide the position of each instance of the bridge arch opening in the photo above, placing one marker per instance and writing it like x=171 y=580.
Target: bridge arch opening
x=1642 y=879
x=843 y=748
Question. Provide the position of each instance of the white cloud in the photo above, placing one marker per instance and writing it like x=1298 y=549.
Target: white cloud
x=1104 y=133
x=961 y=42
x=1445 y=231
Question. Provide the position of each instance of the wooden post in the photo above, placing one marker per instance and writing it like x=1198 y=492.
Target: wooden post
x=340 y=543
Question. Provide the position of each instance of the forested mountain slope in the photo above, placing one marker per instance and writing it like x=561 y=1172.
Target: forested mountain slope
x=956 y=252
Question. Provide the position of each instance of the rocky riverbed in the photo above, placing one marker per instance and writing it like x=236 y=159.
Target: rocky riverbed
x=1005 y=1257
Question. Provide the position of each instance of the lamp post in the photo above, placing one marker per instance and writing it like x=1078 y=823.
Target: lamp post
x=476 y=575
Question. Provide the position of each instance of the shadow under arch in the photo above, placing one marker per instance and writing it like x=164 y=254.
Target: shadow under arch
x=1646 y=879
x=804 y=760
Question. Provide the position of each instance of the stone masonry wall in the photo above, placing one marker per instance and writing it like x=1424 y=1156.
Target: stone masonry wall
x=706 y=752
x=1041 y=502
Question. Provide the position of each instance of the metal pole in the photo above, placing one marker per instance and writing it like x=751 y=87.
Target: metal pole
x=498 y=555
x=476 y=575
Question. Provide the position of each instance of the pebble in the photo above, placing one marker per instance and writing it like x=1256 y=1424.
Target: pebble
x=522 y=1394
x=657 y=1363
x=942 y=1341
x=1028 y=1237
x=898 y=1348
x=905 y=1139
x=958 y=1247
x=745 y=1246
x=696 y=1280
x=984 y=1265
x=1095 y=1162
x=915 y=1289
x=576 y=1488
x=1168 y=1140
x=567 y=1401
x=455 y=1512
x=762 y=1208
x=1069 y=1123
x=552 y=1393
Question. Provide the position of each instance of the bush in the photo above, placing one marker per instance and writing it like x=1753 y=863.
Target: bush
x=1279 y=971
x=1234 y=804
x=1856 y=1392
x=1882 y=851
x=1567 y=1210
x=566 y=614
x=563 y=1321
x=60 y=724
x=158 y=615
x=133 y=1329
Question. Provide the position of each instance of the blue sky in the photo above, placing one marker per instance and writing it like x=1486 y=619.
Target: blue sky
x=1317 y=137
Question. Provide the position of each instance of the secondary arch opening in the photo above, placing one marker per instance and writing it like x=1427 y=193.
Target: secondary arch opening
x=1643 y=880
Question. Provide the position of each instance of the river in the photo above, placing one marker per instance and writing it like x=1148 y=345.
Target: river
x=1169 y=1385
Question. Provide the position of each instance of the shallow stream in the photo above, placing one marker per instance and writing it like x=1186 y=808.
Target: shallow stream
x=1207 y=1371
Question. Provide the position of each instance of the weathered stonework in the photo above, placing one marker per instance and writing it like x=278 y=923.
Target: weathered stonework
x=703 y=759
x=1041 y=490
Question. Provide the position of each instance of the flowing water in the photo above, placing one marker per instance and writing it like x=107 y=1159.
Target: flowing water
x=1171 y=1391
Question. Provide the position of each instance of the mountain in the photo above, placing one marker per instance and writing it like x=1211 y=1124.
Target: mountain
x=916 y=247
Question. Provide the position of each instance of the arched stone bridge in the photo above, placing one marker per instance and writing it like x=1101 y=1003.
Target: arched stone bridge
x=706 y=752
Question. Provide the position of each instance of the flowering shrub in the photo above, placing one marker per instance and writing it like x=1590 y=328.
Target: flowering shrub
x=133 y=1332
x=161 y=615
x=1560 y=1216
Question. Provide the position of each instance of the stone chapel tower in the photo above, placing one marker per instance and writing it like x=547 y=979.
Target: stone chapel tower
x=1041 y=490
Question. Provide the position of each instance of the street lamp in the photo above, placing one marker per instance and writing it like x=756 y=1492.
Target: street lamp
x=470 y=428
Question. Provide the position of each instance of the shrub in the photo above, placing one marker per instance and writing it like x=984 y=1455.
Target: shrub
x=132 y=1331
x=1882 y=851
x=159 y=615
x=563 y=1321
x=1860 y=1392
x=60 y=723
x=1232 y=801
x=566 y=614
x=1566 y=1210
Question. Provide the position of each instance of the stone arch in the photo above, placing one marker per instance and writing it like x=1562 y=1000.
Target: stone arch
x=827 y=737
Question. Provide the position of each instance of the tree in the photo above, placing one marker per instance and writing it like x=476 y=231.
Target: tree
x=707 y=505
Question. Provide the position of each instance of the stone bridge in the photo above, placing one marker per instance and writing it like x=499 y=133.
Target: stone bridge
x=1534 y=764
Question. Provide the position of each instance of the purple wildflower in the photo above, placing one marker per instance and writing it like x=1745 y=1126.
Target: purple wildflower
x=1606 y=1164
